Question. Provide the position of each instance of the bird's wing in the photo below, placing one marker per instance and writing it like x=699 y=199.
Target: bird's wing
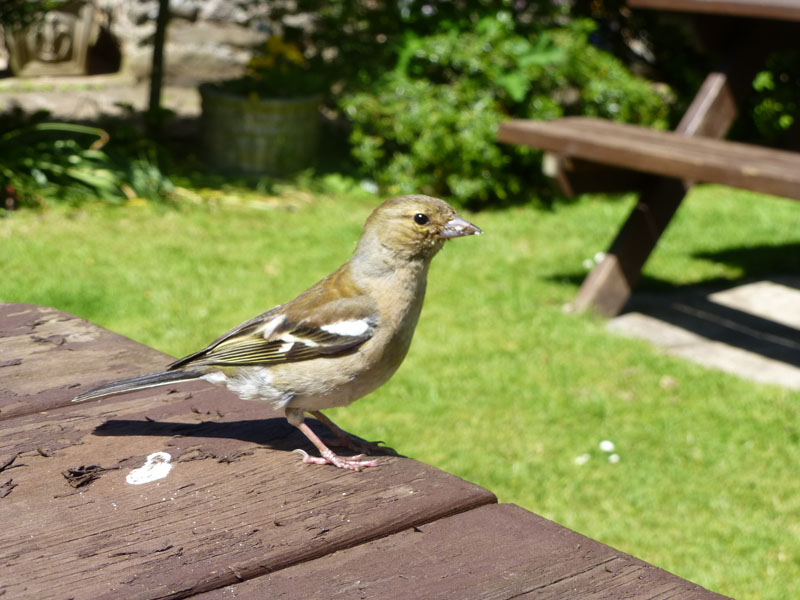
x=282 y=335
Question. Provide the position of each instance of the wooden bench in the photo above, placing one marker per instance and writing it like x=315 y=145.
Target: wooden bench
x=671 y=154
x=239 y=515
x=586 y=154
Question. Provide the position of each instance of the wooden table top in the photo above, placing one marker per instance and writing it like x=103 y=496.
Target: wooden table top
x=238 y=514
x=788 y=10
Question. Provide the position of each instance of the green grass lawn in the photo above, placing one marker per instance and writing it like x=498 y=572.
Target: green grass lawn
x=501 y=386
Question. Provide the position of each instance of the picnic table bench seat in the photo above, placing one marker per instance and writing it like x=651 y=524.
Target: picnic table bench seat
x=590 y=155
x=586 y=154
x=666 y=153
x=240 y=515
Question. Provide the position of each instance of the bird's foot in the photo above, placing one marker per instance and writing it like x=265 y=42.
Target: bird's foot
x=351 y=463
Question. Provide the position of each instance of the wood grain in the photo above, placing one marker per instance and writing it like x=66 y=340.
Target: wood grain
x=238 y=514
x=494 y=552
x=47 y=357
x=236 y=504
x=663 y=153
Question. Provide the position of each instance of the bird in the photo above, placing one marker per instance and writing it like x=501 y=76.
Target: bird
x=337 y=341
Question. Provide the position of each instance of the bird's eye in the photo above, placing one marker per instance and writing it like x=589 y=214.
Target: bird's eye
x=421 y=219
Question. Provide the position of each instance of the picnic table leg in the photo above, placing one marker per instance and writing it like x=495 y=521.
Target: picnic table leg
x=609 y=285
x=712 y=112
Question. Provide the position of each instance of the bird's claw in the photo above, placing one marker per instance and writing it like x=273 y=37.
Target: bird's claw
x=351 y=463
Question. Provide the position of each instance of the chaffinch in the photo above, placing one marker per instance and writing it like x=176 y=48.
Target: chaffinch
x=337 y=341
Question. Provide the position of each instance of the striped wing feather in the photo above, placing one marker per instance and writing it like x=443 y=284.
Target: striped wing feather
x=247 y=345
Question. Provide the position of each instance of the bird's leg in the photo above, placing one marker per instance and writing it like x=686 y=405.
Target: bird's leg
x=342 y=437
x=327 y=456
x=354 y=463
x=345 y=439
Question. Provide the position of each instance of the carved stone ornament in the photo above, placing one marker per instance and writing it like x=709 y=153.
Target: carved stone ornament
x=56 y=45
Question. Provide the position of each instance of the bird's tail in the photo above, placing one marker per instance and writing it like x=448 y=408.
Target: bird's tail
x=138 y=383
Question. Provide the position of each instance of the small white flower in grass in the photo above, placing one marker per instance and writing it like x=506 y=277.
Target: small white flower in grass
x=582 y=459
x=589 y=263
x=613 y=459
x=607 y=446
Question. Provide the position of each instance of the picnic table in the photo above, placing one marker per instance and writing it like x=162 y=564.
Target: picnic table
x=587 y=154
x=229 y=511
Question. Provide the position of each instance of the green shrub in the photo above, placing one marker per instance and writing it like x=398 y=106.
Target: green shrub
x=774 y=105
x=21 y=13
x=429 y=125
x=43 y=162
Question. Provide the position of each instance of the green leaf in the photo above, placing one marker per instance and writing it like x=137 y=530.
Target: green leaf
x=516 y=85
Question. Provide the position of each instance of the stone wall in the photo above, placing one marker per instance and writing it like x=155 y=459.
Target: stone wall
x=206 y=39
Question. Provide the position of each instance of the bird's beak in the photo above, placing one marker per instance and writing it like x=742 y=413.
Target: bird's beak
x=458 y=227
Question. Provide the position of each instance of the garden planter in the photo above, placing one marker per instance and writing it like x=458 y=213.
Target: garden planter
x=258 y=136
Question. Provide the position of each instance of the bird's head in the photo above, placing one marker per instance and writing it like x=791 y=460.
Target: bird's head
x=415 y=226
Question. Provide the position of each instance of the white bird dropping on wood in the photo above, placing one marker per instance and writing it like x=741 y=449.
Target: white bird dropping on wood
x=155 y=467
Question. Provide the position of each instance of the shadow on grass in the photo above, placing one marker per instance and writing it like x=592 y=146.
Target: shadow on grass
x=692 y=307
x=759 y=261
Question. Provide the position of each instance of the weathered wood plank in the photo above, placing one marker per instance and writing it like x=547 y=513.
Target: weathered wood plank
x=236 y=504
x=710 y=115
x=494 y=552
x=45 y=354
x=714 y=109
x=662 y=152
x=763 y=9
